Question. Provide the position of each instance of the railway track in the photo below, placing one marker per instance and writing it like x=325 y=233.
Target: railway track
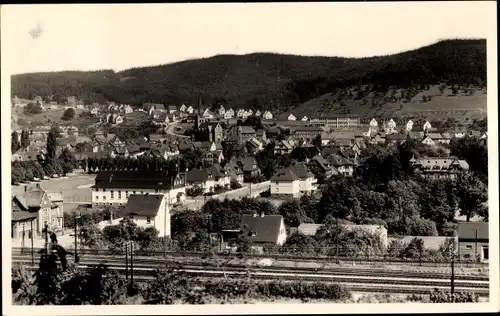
x=368 y=285
x=200 y=255
x=196 y=264
x=376 y=283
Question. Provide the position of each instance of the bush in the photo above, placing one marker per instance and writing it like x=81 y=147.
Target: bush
x=69 y=114
x=194 y=191
x=32 y=108
x=235 y=184
x=440 y=296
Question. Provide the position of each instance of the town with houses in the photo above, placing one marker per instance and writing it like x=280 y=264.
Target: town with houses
x=331 y=146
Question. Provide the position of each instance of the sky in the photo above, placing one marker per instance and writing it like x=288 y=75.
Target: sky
x=118 y=37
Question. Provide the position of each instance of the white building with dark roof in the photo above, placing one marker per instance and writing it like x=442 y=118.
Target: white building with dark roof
x=115 y=187
x=145 y=210
x=285 y=184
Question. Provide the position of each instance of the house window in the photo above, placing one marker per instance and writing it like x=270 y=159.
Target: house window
x=103 y=190
x=468 y=246
x=119 y=194
x=104 y=198
x=97 y=197
x=133 y=192
x=148 y=220
x=112 y=194
x=486 y=253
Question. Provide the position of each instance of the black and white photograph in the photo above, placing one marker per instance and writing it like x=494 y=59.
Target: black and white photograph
x=249 y=157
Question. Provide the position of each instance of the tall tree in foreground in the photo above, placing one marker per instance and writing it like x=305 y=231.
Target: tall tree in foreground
x=14 y=144
x=472 y=196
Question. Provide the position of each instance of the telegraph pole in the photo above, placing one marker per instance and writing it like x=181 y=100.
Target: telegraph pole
x=131 y=265
x=77 y=259
x=126 y=260
x=209 y=217
x=22 y=241
x=32 y=248
x=452 y=257
x=337 y=239
x=46 y=227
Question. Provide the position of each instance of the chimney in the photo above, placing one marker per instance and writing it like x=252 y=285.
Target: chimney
x=262 y=214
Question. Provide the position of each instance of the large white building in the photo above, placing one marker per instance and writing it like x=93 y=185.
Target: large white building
x=145 y=210
x=115 y=187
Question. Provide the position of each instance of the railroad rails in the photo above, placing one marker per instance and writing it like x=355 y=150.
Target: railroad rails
x=362 y=280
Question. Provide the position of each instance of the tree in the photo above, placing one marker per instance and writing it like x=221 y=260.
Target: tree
x=472 y=196
x=51 y=145
x=69 y=114
x=18 y=173
x=67 y=161
x=14 y=144
x=474 y=152
x=33 y=108
x=339 y=200
x=298 y=244
x=414 y=249
x=25 y=139
x=293 y=213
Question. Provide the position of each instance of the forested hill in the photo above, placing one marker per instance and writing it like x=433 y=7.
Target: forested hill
x=263 y=80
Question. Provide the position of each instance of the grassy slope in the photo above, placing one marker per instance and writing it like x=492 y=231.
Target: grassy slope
x=264 y=80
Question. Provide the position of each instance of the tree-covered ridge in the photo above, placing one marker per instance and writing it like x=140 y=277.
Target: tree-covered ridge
x=264 y=80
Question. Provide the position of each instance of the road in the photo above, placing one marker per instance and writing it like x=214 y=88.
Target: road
x=255 y=189
x=171 y=130
x=386 y=282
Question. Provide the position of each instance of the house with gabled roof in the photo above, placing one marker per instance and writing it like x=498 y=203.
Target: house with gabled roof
x=282 y=147
x=35 y=204
x=307 y=183
x=229 y=114
x=183 y=108
x=285 y=184
x=146 y=211
x=439 y=167
x=267 y=115
x=190 y=110
x=343 y=165
x=254 y=145
x=320 y=167
x=263 y=229
x=257 y=113
x=172 y=109
x=221 y=111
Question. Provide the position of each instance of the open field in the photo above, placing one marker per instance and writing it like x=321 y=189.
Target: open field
x=475 y=106
x=21 y=120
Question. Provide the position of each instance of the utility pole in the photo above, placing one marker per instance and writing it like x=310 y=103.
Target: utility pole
x=32 y=248
x=77 y=259
x=131 y=265
x=46 y=227
x=337 y=240
x=452 y=255
x=475 y=247
x=126 y=260
x=22 y=241
x=209 y=217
